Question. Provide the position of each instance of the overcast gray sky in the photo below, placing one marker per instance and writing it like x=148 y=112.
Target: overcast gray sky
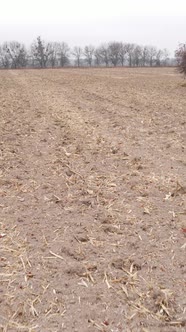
x=159 y=22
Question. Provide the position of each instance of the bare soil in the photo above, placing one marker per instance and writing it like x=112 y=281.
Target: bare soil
x=93 y=200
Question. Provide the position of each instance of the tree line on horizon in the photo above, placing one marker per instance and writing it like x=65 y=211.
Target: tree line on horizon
x=42 y=54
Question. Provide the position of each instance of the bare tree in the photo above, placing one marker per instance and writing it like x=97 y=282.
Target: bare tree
x=137 y=55
x=159 y=56
x=77 y=53
x=145 y=56
x=104 y=54
x=152 y=55
x=13 y=55
x=89 y=53
x=97 y=56
x=63 y=54
x=180 y=55
x=114 y=52
x=165 y=57
x=122 y=53
x=53 y=54
x=41 y=52
x=130 y=52
x=4 y=58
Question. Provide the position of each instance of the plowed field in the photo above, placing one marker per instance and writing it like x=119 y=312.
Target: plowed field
x=93 y=200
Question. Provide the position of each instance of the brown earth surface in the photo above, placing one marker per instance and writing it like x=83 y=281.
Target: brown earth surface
x=93 y=200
